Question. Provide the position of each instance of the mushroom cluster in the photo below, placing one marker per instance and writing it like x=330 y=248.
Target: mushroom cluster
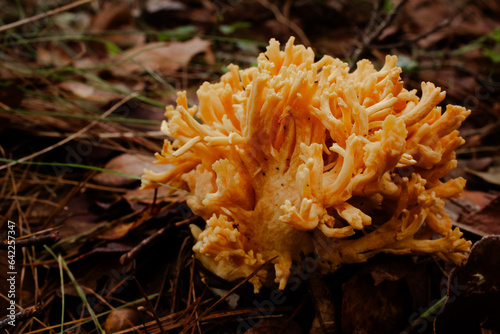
x=297 y=156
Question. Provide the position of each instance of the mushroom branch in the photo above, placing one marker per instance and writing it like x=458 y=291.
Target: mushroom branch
x=297 y=156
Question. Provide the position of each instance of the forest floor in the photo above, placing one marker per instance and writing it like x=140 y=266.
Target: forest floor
x=83 y=87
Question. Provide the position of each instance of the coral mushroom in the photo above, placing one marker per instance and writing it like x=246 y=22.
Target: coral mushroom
x=295 y=156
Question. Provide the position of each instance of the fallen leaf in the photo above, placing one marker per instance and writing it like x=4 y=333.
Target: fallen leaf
x=481 y=199
x=271 y=326
x=153 y=6
x=491 y=176
x=473 y=294
x=117 y=17
x=52 y=56
x=127 y=163
x=165 y=57
x=10 y=96
x=121 y=229
x=367 y=308
x=486 y=219
x=88 y=92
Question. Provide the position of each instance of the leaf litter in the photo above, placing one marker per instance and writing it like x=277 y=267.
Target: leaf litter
x=63 y=72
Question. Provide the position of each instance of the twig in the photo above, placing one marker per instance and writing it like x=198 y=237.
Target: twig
x=198 y=318
x=132 y=254
x=148 y=302
x=292 y=316
x=368 y=38
x=48 y=239
x=44 y=15
x=74 y=135
x=285 y=21
x=440 y=26
x=66 y=199
x=24 y=314
x=105 y=135
x=178 y=268
x=172 y=322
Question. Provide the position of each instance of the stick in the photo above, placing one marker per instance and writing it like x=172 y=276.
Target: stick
x=48 y=239
x=44 y=15
x=367 y=40
x=74 y=135
x=24 y=314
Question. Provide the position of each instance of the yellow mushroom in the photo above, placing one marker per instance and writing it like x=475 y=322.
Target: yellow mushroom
x=295 y=156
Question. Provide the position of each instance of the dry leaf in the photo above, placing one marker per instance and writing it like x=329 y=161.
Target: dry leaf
x=271 y=326
x=127 y=163
x=88 y=92
x=486 y=219
x=11 y=95
x=121 y=229
x=480 y=199
x=473 y=292
x=117 y=17
x=367 y=308
x=165 y=57
x=52 y=56
x=491 y=176
x=153 y=6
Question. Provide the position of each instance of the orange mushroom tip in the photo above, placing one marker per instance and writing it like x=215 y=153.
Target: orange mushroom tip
x=297 y=156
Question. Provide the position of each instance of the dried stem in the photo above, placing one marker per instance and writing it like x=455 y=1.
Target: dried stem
x=44 y=15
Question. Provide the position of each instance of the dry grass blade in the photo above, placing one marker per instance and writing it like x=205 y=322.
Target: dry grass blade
x=171 y=322
x=150 y=305
x=48 y=239
x=44 y=15
x=93 y=77
x=230 y=292
x=74 y=135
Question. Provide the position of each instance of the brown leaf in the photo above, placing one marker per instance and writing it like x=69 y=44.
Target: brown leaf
x=127 y=163
x=117 y=17
x=367 y=308
x=473 y=292
x=481 y=199
x=165 y=57
x=485 y=220
x=52 y=55
x=153 y=6
x=88 y=92
x=121 y=229
x=271 y=326
x=491 y=176
x=11 y=96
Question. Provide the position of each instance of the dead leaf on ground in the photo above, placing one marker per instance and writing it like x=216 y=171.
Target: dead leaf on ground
x=104 y=264
x=88 y=92
x=164 y=57
x=481 y=199
x=422 y=17
x=127 y=163
x=52 y=55
x=473 y=292
x=271 y=326
x=121 y=229
x=491 y=176
x=367 y=308
x=153 y=6
x=486 y=219
x=117 y=17
x=164 y=194
x=11 y=95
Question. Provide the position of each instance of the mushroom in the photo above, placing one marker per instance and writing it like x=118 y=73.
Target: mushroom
x=297 y=156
